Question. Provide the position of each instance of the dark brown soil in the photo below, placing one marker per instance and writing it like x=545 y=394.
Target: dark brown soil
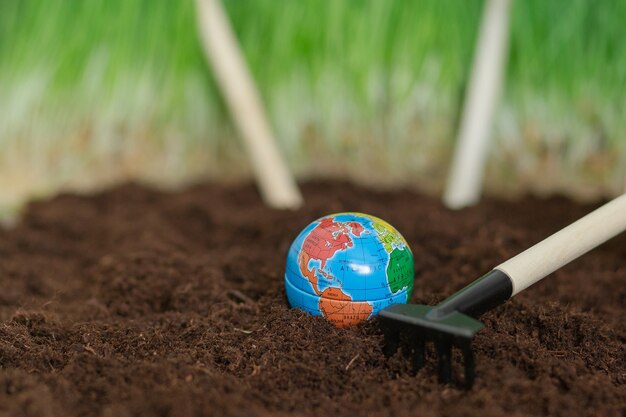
x=135 y=302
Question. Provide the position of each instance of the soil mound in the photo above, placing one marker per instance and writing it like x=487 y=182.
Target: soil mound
x=135 y=302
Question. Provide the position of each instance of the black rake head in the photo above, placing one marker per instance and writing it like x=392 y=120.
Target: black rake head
x=422 y=323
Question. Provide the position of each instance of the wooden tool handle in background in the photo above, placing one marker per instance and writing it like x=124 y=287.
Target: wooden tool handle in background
x=464 y=184
x=277 y=186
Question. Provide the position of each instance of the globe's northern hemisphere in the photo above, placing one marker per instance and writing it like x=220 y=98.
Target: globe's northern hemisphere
x=347 y=267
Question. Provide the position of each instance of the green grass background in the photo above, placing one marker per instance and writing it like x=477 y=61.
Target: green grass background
x=94 y=92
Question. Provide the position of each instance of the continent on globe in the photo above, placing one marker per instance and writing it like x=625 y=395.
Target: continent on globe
x=387 y=234
x=322 y=243
x=329 y=237
x=339 y=308
x=354 y=265
x=400 y=271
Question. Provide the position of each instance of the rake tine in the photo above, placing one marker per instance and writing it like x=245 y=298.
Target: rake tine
x=468 y=359
x=444 y=350
x=418 y=355
x=392 y=339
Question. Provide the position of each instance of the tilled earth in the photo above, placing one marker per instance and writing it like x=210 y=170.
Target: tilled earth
x=136 y=302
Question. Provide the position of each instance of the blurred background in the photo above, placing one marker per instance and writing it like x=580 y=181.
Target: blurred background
x=97 y=92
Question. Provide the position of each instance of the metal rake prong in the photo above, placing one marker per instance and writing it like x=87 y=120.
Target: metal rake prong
x=418 y=355
x=392 y=339
x=420 y=324
x=444 y=350
x=470 y=366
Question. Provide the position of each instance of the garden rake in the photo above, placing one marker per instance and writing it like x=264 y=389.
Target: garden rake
x=452 y=322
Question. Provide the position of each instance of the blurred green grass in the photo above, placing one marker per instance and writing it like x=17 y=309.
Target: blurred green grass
x=98 y=91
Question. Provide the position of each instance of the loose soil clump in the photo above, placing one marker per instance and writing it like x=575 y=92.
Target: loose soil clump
x=136 y=302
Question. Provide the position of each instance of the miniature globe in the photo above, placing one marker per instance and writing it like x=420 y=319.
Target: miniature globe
x=347 y=267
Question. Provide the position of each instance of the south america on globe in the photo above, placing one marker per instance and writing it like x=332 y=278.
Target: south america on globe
x=347 y=267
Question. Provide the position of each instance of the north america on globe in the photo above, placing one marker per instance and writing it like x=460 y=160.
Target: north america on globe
x=347 y=267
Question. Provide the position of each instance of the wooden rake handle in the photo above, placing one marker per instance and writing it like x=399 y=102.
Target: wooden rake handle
x=535 y=263
x=566 y=245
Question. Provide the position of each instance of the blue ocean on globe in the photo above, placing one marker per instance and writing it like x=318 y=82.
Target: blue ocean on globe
x=347 y=267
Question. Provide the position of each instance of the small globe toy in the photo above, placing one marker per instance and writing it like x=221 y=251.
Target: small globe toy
x=347 y=267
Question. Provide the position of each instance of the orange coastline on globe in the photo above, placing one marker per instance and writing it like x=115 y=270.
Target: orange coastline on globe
x=321 y=244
